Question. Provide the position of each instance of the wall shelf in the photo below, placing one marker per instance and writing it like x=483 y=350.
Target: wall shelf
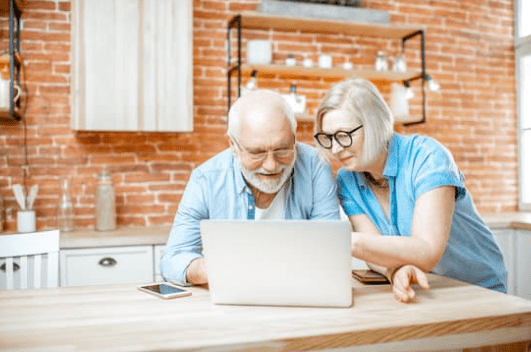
x=331 y=73
x=259 y=21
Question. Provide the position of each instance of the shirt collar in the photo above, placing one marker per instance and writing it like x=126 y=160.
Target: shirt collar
x=391 y=162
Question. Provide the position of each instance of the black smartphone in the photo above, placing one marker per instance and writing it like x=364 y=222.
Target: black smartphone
x=164 y=290
x=369 y=277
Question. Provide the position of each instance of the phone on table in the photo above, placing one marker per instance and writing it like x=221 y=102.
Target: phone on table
x=369 y=277
x=164 y=290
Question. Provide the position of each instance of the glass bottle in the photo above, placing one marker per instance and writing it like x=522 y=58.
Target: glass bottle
x=105 y=210
x=65 y=209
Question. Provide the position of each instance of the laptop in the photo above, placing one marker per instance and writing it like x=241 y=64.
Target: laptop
x=278 y=262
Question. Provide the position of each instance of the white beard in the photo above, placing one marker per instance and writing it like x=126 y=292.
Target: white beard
x=268 y=186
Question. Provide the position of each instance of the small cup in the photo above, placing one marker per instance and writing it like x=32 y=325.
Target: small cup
x=26 y=221
x=308 y=63
x=325 y=61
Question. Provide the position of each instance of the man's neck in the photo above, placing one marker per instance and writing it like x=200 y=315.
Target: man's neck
x=262 y=200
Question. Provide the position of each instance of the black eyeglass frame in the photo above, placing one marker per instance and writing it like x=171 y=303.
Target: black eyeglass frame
x=334 y=136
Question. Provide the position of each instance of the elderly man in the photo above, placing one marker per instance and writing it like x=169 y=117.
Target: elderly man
x=265 y=174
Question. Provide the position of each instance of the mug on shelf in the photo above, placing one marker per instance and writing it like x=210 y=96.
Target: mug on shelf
x=259 y=52
x=4 y=93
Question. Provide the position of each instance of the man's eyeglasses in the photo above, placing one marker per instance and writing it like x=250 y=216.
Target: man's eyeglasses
x=279 y=154
x=343 y=138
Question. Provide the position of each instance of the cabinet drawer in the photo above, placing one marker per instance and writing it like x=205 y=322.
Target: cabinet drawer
x=110 y=265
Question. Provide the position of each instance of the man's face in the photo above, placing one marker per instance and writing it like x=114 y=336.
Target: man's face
x=266 y=156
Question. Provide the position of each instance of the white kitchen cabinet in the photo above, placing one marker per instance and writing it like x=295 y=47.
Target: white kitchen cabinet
x=505 y=240
x=523 y=263
x=157 y=253
x=132 y=65
x=106 y=265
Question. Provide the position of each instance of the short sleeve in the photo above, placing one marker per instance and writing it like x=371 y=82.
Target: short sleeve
x=434 y=166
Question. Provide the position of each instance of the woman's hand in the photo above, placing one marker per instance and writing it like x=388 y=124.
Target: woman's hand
x=403 y=278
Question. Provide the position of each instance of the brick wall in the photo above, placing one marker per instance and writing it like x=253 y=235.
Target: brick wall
x=469 y=50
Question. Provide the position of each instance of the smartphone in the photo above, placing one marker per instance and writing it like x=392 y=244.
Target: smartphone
x=164 y=290
x=370 y=277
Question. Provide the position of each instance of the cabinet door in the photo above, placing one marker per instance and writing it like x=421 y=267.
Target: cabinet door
x=132 y=65
x=505 y=240
x=157 y=253
x=523 y=264
x=111 y=265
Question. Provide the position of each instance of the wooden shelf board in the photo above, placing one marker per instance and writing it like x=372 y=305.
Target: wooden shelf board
x=333 y=73
x=255 y=20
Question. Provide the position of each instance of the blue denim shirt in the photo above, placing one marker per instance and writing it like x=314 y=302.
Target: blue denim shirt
x=415 y=165
x=217 y=190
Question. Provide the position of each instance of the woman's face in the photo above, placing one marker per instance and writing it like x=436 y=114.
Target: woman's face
x=349 y=157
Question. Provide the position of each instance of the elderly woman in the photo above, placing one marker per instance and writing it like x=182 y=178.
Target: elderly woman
x=404 y=196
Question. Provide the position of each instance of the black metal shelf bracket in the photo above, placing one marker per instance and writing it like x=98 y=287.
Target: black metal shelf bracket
x=422 y=75
x=236 y=22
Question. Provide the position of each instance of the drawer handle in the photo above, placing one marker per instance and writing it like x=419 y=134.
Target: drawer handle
x=107 y=262
x=15 y=267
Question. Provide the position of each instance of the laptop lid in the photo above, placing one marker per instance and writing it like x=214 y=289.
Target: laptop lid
x=278 y=262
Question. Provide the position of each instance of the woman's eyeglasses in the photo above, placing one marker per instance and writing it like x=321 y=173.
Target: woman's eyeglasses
x=343 y=138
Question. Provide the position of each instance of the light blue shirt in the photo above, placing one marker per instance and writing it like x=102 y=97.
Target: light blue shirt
x=415 y=165
x=217 y=190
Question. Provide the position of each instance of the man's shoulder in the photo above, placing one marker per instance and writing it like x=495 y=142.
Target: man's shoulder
x=218 y=163
x=307 y=153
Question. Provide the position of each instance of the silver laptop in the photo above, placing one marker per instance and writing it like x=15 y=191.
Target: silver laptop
x=278 y=262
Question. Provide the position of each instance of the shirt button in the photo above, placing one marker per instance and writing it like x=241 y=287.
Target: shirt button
x=250 y=207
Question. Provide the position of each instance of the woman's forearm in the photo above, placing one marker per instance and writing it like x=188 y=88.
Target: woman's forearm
x=394 y=251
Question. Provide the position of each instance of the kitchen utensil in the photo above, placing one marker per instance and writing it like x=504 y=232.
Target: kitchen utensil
x=32 y=195
x=20 y=196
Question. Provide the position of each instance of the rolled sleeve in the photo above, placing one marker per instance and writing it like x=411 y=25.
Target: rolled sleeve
x=184 y=242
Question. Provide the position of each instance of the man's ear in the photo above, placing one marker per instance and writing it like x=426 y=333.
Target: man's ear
x=233 y=147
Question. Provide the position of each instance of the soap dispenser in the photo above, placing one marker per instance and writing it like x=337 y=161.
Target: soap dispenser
x=105 y=209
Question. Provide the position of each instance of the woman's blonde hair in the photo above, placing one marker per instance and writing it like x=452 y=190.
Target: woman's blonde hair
x=366 y=106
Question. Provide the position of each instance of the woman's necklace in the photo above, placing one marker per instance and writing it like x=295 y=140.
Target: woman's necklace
x=381 y=183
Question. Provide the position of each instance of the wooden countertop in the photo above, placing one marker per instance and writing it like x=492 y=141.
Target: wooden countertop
x=517 y=220
x=452 y=315
x=119 y=237
x=158 y=235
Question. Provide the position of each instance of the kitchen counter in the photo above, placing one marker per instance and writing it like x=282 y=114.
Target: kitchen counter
x=135 y=236
x=516 y=220
x=159 y=234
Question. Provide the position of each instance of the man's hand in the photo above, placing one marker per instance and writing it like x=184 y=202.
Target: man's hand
x=402 y=280
x=196 y=273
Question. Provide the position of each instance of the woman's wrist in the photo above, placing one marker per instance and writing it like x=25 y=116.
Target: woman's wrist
x=390 y=273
